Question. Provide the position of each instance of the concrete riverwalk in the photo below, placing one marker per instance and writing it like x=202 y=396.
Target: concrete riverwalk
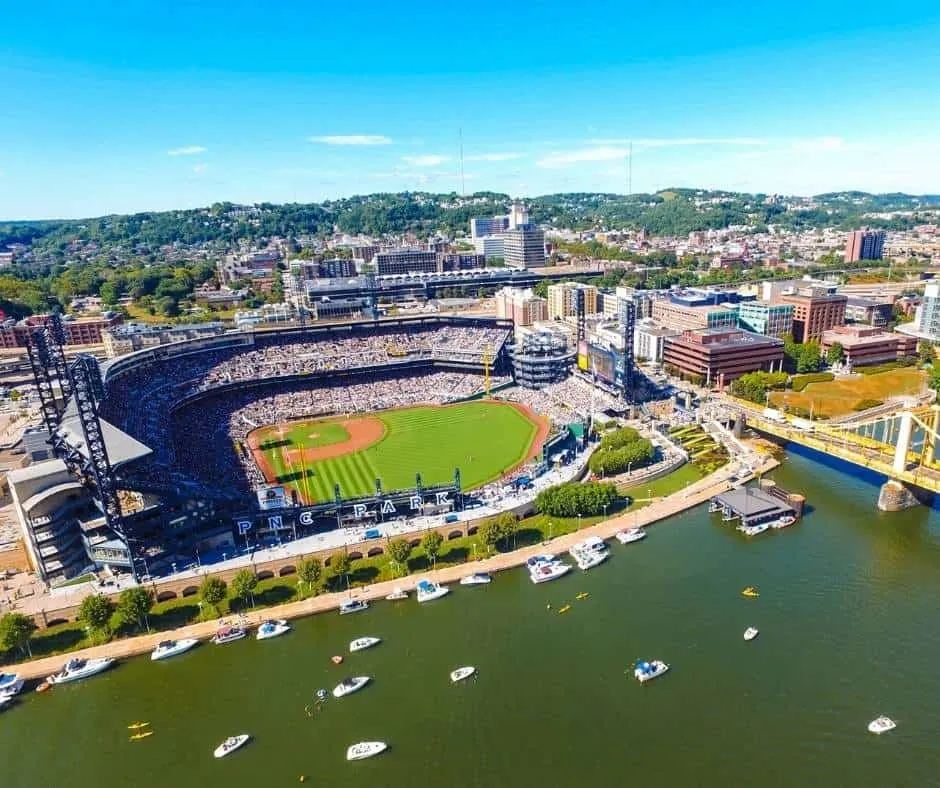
x=656 y=511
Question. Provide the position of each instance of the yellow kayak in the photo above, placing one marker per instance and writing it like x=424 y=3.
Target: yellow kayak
x=582 y=595
x=136 y=725
x=564 y=609
x=750 y=591
x=138 y=736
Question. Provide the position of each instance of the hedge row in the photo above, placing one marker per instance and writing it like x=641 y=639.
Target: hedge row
x=800 y=382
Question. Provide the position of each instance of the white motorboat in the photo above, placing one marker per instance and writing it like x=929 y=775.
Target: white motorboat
x=589 y=553
x=631 y=535
x=361 y=644
x=228 y=635
x=398 y=593
x=476 y=579
x=537 y=560
x=10 y=685
x=646 y=671
x=349 y=686
x=462 y=673
x=353 y=606
x=5 y=700
x=428 y=591
x=783 y=522
x=543 y=573
x=170 y=648
x=76 y=669
x=881 y=725
x=365 y=749
x=754 y=530
x=750 y=633
x=231 y=744
x=272 y=629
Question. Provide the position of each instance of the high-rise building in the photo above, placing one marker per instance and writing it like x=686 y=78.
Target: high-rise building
x=684 y=318
x=864 y=245
x=927 y=316
x=562 y=300
x=524 y=247
x=483 y=226
x=518 y=216
x=523 y=307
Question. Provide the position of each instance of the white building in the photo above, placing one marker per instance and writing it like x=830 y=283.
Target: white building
x=649 y=340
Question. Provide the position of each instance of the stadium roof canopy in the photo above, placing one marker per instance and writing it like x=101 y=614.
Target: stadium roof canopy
x=121 y=447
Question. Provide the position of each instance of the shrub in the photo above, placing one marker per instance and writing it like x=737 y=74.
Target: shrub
x=800 y=382
x=621 y=450
x=907 y=361
x=571 y=499
x=865 y=404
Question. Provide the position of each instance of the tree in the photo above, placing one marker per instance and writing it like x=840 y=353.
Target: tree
x=491 y=534
x=508 y=526
x=925 y=352
x=835 y=354
x=134 y=605
x=15 y=632
x=309 y=572
x=432 y=545
x=243 y=586
x=213 y=591
x=573 y=498
x=753 y=386
x=342 y=566
x=399 y=551
x=933 y=379
x=95 y=613
x=808 y=357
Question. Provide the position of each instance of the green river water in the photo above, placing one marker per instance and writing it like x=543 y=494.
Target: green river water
x=847 y=614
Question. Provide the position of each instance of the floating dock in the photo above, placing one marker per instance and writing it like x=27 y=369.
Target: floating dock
x=751 y=506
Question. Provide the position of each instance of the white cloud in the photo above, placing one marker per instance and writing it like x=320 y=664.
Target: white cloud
x=430 y=160
x=564 y=158
x=187 y=150
x=200 y=168
x=494 y=156
x=352 y=139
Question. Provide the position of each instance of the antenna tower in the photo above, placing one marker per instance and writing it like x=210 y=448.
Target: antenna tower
x=463 y=187
x=630 y=170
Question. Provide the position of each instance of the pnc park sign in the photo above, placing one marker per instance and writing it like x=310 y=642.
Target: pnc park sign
x=407 y=503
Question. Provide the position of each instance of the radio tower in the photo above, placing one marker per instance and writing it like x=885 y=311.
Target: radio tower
x=463 y=187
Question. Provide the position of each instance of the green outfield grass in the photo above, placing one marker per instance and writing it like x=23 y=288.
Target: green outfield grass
x=483 y=439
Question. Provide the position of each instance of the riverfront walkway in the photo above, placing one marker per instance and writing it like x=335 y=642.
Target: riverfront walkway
x=658 y=510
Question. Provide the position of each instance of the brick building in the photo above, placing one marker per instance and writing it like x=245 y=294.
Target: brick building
x=79 y=331
x=815 y=310
x=869 y=345
x=719 y=356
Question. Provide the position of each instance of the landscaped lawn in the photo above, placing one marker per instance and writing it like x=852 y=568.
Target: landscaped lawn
x=839 y=397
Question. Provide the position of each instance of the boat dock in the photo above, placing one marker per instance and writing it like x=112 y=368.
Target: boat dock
x=753 y=506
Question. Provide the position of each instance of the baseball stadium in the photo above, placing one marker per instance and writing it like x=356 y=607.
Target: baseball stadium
x=281 y=433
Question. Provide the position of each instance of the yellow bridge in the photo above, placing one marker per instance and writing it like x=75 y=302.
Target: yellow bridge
x=883 y=440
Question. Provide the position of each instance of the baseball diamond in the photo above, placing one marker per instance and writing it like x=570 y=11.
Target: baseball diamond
x=484 y=439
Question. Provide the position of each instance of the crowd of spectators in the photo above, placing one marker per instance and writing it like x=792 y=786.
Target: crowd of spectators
x=565 y=402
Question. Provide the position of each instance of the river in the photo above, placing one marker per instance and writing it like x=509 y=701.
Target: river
x=847 y=614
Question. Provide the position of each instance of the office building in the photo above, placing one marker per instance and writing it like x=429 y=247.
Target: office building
x=718 y=356
x=460 y=261
x=682 y=317
x=336 y=268
x=649 y=340
x=491 y=246
x=562 y=300
x=524 y=247
x=771 y=320
x=523 y=307
x=872 y=313
x=864 y=245
x=926 y=323
x=869 y=345
x=815 y=309
x=405 y=261
x=518 y=216
x=482 y=226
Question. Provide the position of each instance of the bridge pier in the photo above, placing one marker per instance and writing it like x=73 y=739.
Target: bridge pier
x=896 y=496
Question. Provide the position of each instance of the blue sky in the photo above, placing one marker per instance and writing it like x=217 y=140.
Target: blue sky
x=119 y=107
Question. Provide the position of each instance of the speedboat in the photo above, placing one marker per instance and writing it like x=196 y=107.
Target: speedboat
x=428 y=591
x=352 y=606
x=882 y=725
x=750 y=633
x=646 y=671
x=753 y=530
x=462 y=673
x=631 y=535
x=537 y=560
x=542 y=573
x=10 y=685
x=76 y=669
x=750 y=592
x=272 y=629
x=170 y=648
x=349 y=686
x=365 y=749
x=589 y=553
x=398 y=593
x=361 y=644
x=783 y=522
x=476 y=579
x=228 y=635
x=231 y=744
